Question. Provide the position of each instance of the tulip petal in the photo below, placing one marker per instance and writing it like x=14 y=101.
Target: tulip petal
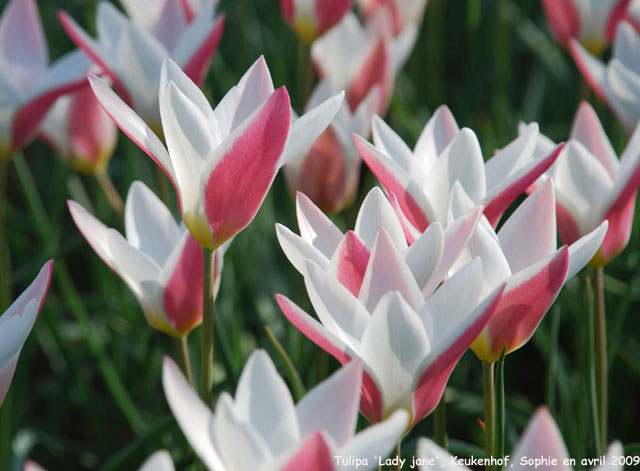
x=388 y=142
x=245 y=164
x=96 y=233
x=521 y=245
x=313 y=455
x=263 y=400
x=563 y=17
x=428 y=450
x=542 y=438
x=8 y=366
x=298 y=250
x=440 y=130
x=329 y=13
x=583 y=250
x=195 y=63
x=620 y=224
x=170 y=24
x=424 y=255
x=374 y=71
x=614 y=451
x=193 y=416
x=629 y=174
x=339 y=420
x=159 y=461
x=24 y=47
x=375 y=213
x=621 y=86
x=349 y=262
x=410 y=232
x=591 y=68
x=386 y=272
x=316 y=228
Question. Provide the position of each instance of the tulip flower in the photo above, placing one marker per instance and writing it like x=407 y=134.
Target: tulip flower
x=523 y=255
x=159 y=461
x=28 y=84
x=132 y=57
x=221 y=162
x=592 y=22
x=149 y=12
x=312 y=18
x=616 y=83
x=402 y=12
x=80 y=132
x=262 y=428
x=422 y=180
x=592 y=185
x=328 y=172
x=159 y=260
x=16 y=324
x=372 y=59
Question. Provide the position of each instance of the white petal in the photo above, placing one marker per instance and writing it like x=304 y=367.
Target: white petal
x=159 y=461
x=428 y=450
x=315 y=227
x=583 y=250
x=424 y=255
x=440 y=130
x=298 y=249
x=388 y=142
x=376 y=212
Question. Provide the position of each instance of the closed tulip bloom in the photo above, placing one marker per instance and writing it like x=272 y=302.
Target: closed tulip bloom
x=221 y=162
x=16 y=324
x=159 y=260
x=80 y=132
x=402 y=12
x=262 y=428
x=540 y=439
x=132 y=57
x=422 y=179
x=28 y=84
x=592 y=185
x=591 y=22
x=312 y=18
x=328 y=171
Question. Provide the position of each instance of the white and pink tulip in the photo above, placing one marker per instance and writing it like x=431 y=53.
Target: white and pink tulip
x=312 y=18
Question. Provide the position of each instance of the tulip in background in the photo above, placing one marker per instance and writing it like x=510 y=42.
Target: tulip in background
x=132 y=57
x=540 y=440
x=262 y=428
x=422 y=180
x=158 y=461
x=591 y=22
x=16 y=324
x=149 y=12
x=312 y=18
x=328 y=172
x=159 y=260
x=28 y=84
x=402 y=12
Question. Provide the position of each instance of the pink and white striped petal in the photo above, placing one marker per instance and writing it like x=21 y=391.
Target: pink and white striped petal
x=349 y=262
x=197 y=64
x=376 y=213
x=585 y=248
x=314 y=454
x=440 y=130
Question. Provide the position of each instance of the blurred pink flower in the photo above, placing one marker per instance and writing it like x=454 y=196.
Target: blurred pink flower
x=401 y=12
x=312 y=18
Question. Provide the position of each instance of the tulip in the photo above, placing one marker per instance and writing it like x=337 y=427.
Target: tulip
x=132 y=57
x=16 y=324
x=592 y=185
x=149 y=12
x=592 y=22
x=373 y=58
x=262 y=428
x=159 y=260
x=402 y=12
x=616 y=83
x=79 y=131
x=159 y=461
x=523 y=255
x=541 y=439
x=422 y=180
x=329 y=170
x=312 y=18
x=221 y=162
x=28 y=85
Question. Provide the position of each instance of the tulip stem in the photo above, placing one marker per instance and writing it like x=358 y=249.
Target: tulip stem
x=591 y=367
x=601 y=355
x=73 y=300
x=489 y=408
x=110 y=191
x=306 y=73
x=161 y=184
x=292 y=372
x=207 y=327
x=5 y=284
x=185 y=359
x=500 y=407
x=398 y=455
x=440 y=422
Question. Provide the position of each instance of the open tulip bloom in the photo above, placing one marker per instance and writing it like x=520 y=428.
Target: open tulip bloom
x=28 y=84
x=158 y=461
x=158 y=14
x=312 y=18
x=16 y=324
x=422 y=180
x=591 y=22
x=541 y=439
x=329 y=170
x=523 y=255
x=132 y=57
x=221 y=162
x=369 y=289
x=402 y=12
x=373 y=57
x=592 y=185
x=159 y=260
x=262 y=429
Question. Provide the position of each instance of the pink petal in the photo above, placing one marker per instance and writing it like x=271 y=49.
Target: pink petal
x=395 y=180
x=197 y=65
x=288 y=9
x=242 y=176
x=591 y=68
x=314 y=455
x=370 y=399
x=500 y=202
x=410 y=232
x=350 y=262
x=563 y=18
x=526 y=299
x=329 y=12
x=618 y=14
x=374 y=71
x=620 y=218
x=568 y=227
x=6 y=375
x=189 y=13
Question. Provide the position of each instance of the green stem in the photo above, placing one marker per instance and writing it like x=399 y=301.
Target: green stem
x=207 y=327
x=552 y=369
x=489 y=408
x=5 y=269
x=500 y=407
x=74 y=302
x=109 y=190
x=399 y=454
x=305 y=70
x=292 y=372
x=185 y=359
x=162 y=185
x=591 y=367
x=440 y=422
x=601 y=355
x=6 y=431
